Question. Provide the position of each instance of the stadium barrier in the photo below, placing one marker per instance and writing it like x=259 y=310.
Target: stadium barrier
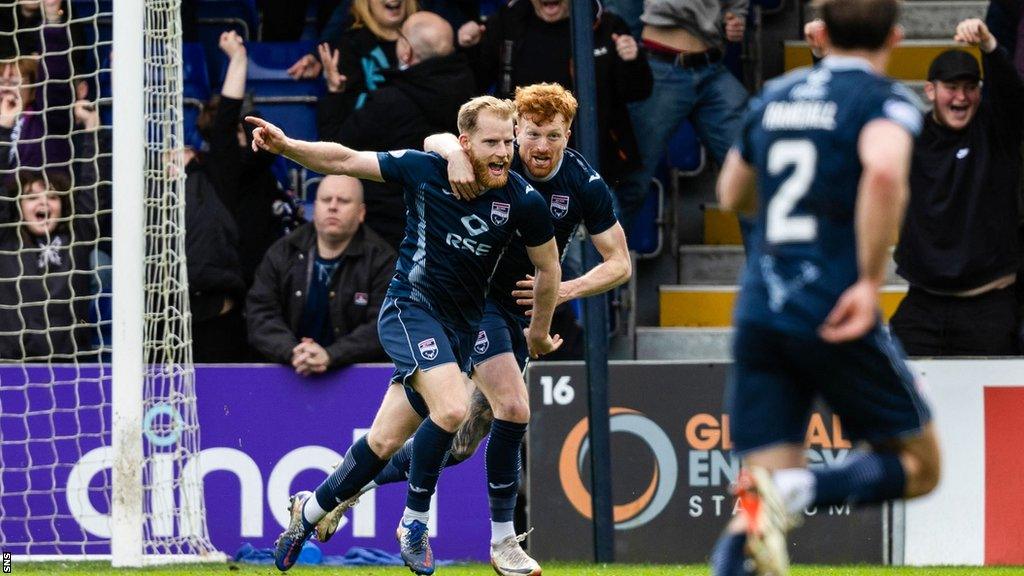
x=268 y=432
x=973 y=517
x=672 y=465
x=672 y=468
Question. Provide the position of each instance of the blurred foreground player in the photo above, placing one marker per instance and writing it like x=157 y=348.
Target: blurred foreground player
x=575 y=194
x=829 y=149
x=428 y=323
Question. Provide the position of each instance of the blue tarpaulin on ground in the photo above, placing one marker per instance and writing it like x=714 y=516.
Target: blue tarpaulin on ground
x=311 y=554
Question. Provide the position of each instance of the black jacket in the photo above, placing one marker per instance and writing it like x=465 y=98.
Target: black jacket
x=246 y=186
x=519 y=49
x=362 y=58
x=50 y=279
x=211 y=247
x=413 y=103
x=960 y=231
x=278 y=296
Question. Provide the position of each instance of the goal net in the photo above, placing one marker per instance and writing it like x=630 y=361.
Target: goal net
x=99 y=438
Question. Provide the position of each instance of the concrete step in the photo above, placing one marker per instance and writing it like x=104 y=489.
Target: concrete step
x=701 y=344
x=712 y=306
x=909 y=61
x=721 y=265
x=927 y=19
x=936 y=18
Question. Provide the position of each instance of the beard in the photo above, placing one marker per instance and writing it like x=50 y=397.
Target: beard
x=485 y=178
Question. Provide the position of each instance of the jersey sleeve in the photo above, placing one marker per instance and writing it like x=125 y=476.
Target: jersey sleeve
x=899 y=105
x=533 y=221
x=598 y=214
x=406 y=167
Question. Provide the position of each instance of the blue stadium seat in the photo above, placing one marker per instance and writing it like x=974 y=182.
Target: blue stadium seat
x=490 y=7
x=216 y=16
x=296 y=118
x=310 y=183
x=196 y=90
x=685 y=153
x=645 y=236
x=194 y=72
x=267 y=76
x=85 y=8
x=96 y=32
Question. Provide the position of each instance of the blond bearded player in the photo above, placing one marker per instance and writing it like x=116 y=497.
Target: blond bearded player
x=428 y=322
x=575 y=194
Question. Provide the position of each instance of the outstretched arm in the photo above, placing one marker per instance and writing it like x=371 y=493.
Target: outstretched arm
x=615 y=269
x=322 y=157
x=549 y=274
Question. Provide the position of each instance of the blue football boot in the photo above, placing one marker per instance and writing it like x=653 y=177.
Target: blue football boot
x=289 y=543
x=415 y=544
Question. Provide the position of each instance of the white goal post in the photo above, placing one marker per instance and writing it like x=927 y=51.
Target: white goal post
x=99 y=433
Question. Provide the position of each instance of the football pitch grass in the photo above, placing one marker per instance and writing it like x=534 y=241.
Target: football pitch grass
x=550 y=569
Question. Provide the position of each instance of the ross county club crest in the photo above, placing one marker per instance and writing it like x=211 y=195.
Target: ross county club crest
x=361 y=299
x=559 y=205
x=499 y=213
x=428 y=348
x=482 y=343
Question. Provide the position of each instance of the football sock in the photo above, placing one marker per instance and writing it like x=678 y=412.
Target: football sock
x=727 y=557
x=503 y=465
x=397 y=469
x=796 y=488
x=312 y=512
x=358 y=468
x=502 y=530
x=409 y=515
x=429 y=451
x=864 y=478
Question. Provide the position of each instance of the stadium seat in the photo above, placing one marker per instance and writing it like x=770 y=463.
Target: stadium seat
x=268 y=70
x=216 y=16
x=685 y=157
x=194 y=72
x=298 y=119
x=685 y=153
x=97 y=34
x=645 y=236
x=490 y=7
x=310 y=182
x=196 y=89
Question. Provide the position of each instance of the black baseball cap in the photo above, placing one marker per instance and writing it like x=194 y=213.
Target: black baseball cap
x=954 y=65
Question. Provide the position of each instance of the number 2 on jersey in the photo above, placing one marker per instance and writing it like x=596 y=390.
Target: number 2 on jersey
x=782 y=225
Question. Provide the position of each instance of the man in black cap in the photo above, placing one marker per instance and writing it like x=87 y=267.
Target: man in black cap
x=959 y=247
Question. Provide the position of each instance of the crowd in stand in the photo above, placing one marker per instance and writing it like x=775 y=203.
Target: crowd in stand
x=265 y=284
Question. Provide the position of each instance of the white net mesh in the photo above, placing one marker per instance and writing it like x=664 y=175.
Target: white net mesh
x=55 y=317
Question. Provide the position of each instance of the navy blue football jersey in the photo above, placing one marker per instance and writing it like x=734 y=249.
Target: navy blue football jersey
x=801 y=136
x=575 y=194
x=451 y=246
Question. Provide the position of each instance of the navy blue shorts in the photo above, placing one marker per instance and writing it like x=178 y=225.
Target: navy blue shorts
x=416 y=340
x=501 y=331
x=777 y=376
